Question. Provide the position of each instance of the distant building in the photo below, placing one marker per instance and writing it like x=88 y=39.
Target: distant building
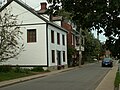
x=73 y=37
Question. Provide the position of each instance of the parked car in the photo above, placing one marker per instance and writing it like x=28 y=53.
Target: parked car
x=107 y=62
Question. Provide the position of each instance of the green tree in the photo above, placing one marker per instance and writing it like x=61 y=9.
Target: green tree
x=10 y=35
x=96 y=14
x=92 y=47
x=101 y=15
x=70 y=52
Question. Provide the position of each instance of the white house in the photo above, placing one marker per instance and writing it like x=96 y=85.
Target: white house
x=45 y=42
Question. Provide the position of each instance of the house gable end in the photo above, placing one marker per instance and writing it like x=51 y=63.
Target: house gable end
x=21 y=3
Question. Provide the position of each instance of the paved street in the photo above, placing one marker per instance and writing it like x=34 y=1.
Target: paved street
x=85 y=78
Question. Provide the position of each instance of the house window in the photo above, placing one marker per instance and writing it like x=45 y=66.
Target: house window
x=52 y=36
x=63 y=39
x=63 y=56
x=58 y=38
x=31 y=35
x=53 y=56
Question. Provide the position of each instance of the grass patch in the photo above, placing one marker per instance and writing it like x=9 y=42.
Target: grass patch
x=8 y=73
x=12 y=75
x=117 y=80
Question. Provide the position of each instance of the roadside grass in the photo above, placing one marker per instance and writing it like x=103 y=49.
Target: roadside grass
x=117 y=79
x=8 y=73
x=12 y=75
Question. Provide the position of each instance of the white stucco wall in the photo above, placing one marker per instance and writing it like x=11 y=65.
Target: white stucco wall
x=56 y=47
x=36 y=53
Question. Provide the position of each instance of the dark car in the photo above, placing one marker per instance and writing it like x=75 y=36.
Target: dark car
x=107 y=62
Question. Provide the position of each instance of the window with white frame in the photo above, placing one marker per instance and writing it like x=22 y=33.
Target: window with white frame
x=58 y=38
x=63 y=56
x=53 y=56
x=63 y=39
x=52 y=36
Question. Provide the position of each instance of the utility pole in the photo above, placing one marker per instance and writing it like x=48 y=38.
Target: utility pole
x=80 y=51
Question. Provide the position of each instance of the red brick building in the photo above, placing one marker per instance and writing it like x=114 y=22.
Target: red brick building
x=72 y=40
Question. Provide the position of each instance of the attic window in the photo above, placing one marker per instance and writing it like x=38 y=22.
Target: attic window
x=31 y=35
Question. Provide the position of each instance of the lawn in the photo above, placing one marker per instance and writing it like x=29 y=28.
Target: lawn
x=8 y=73
x=12 y=75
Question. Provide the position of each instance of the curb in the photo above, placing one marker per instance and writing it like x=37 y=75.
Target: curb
x=27 y=78
x=108 y=81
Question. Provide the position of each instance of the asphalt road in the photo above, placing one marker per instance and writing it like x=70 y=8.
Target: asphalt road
x=85 y=78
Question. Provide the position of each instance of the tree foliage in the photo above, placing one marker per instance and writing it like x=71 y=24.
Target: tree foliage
x=92 y=46
x=100 y=15
x=96 y=14
x=10 y=36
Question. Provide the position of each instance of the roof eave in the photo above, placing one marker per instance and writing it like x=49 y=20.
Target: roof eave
x=57 y=27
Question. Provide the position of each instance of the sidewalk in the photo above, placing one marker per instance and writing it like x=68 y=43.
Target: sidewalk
x=108 y=81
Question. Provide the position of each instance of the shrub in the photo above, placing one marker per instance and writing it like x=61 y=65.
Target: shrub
x=38 y=69
x=47 y=70
x=5 y=68
x=17 y=69
x=21 y=70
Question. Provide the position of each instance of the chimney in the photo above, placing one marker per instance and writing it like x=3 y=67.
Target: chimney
x=43 y=6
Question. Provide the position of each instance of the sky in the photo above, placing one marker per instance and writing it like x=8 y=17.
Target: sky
x=102 y=38
x=34 y=3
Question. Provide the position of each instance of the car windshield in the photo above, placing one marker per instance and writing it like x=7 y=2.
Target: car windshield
x=107 y=59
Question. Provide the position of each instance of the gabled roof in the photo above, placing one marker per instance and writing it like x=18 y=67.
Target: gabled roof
x=23 y=5
x=32 y=11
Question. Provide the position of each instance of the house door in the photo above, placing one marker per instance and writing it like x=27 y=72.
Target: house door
x=58 y=58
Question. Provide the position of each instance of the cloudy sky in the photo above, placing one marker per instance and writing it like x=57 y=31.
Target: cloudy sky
x=34 y=3
x=102 y=38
